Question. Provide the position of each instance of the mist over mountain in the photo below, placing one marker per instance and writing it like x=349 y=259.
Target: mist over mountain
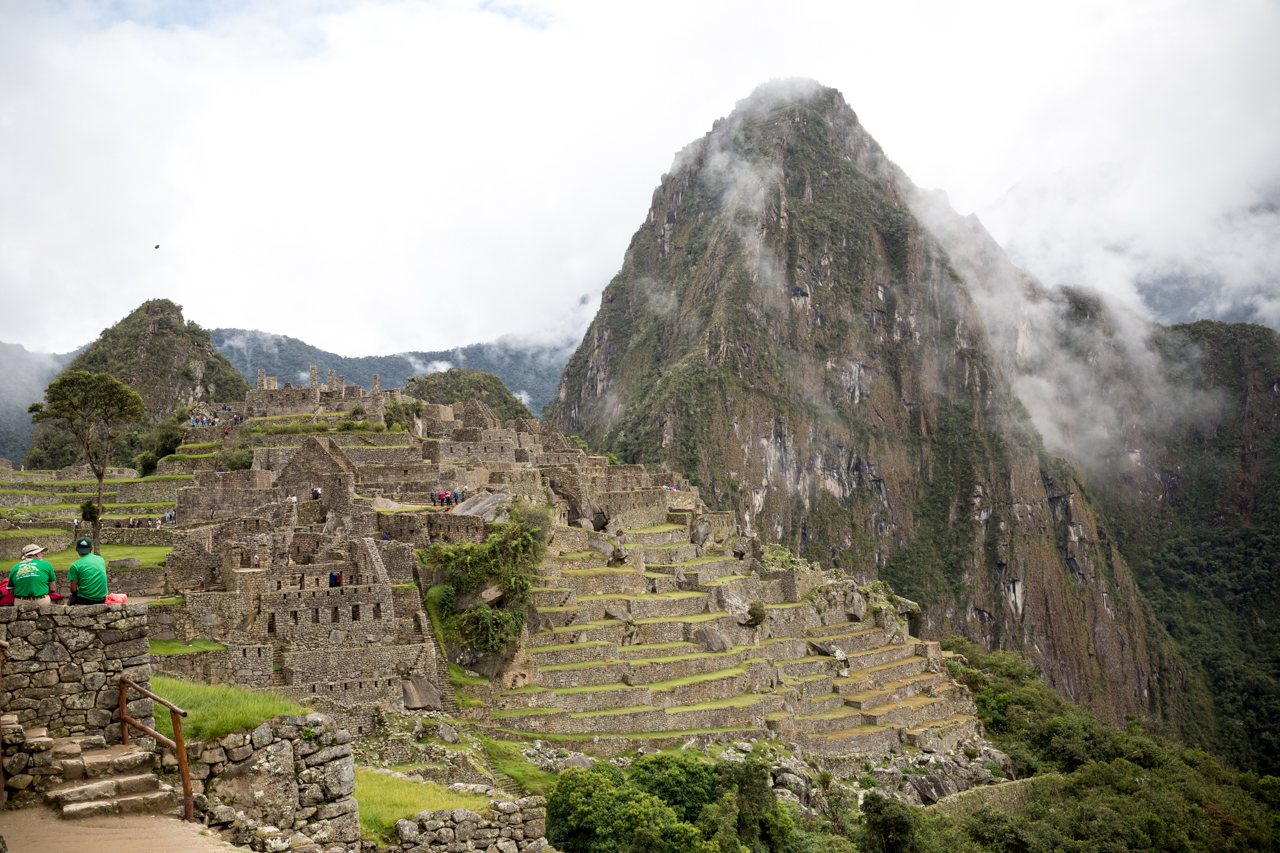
x=23 y=377
x=531 y=370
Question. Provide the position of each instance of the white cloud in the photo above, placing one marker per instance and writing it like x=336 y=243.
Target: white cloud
x=378 y=177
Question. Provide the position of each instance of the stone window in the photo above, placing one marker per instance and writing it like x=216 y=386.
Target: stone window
x=334 y=618
x=377 y=611
x=271 y=623
x=315 y=616
x=293 y=617
x=355 y=613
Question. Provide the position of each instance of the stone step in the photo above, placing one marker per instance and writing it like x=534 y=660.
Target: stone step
x=662 y=534
x=572 y=653
x=880 y=655
x=852 y=639
x=944 y=734
x=604 y=630
x=662 y=555
x=660 y=583
x=869 y=678
x=902 y=688
x=747 y=711
x=598 y=581
x=550 y=597
x=646 y=606
x=807 y=666
x=159 y=802
x=659 y=650
x=118 y=760
x=820 y=704
x=908 y=712
x=706 y=569
x=104 y=789
x=814 y=685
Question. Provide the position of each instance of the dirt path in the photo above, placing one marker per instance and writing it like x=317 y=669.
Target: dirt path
x=39 y=830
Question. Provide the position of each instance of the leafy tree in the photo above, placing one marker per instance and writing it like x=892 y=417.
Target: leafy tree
x=590 y=811
x=891 y=826
x=681 y=780
x=96 y=408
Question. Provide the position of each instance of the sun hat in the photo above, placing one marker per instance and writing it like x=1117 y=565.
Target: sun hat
x=32 y=550
x=84 y=545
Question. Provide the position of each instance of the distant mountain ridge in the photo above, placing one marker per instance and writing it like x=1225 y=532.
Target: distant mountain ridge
x=23 y=377
x=531 y=371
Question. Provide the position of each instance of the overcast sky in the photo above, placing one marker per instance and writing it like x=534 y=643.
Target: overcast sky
x=374 y=177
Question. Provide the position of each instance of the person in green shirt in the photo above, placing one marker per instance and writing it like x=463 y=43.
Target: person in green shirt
x=88 y=575
x=32 y=578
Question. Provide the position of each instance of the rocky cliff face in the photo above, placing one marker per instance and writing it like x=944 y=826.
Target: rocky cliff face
x=168 y=361
x=787 y=333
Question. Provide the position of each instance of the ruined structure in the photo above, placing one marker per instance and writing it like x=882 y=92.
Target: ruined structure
x=651 y=614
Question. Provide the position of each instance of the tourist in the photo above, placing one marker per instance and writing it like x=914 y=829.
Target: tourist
x=255 y=561
x=32 y=578
x=88 y=575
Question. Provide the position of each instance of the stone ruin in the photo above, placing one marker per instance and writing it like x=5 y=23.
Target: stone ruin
x=651 y=614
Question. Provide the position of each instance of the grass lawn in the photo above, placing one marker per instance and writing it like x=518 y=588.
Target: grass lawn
x=506 y=758
x=31 y=532
x=384 y=800
x=150 y=555
x=214 y=710
x=177 y=647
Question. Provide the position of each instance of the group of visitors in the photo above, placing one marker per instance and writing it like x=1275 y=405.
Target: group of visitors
x=447 y=498
x=32 y=580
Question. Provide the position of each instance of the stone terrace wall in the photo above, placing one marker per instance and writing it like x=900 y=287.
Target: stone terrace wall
x=508 y=827
x=137 y=536
x=150 y=491
x=287 y=785
x=245 y=666
x=11 y=548
x=64 y=665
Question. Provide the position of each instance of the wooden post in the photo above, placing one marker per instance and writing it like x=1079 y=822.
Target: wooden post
x=180 y=747
x=124 y=723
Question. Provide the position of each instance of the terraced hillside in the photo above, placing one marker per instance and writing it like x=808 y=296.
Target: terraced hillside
x=665 y=640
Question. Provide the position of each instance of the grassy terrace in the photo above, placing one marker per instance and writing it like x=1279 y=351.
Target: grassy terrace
x=630 y=736
x=657 y=528
x=506 y=758
x=384 y=800
x=149 y=555
x=30 y=532
x=214 y=710
x=177 y=647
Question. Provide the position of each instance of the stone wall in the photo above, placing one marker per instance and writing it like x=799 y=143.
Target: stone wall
x=63 y=666
x=11 y=547
x=244 y=666
x=136 y=536
x=149 y=581
x=286 y=785
x=507 y=827
x=149 y=491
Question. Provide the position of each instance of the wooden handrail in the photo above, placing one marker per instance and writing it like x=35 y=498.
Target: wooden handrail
x=178 y=745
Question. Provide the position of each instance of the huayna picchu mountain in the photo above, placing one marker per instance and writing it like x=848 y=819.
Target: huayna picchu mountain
x=167 y=360
x=787 y=334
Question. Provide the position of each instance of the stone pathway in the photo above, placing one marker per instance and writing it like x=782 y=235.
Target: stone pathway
x=39 y=830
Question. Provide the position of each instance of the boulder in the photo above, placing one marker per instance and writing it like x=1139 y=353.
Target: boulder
x=700 y=532
x=712 y=639
x=266 y=789
x=855 y=606
x=448 y=733
x=494 y=507
x=421 y=695
x=601 y=546
x=491 y=595
x=124 y=563
x=613 y=611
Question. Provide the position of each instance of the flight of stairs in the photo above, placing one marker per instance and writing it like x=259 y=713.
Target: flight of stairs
x=618 y=653
x=83 y=777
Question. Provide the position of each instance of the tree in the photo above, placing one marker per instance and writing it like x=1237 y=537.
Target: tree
x=97 y=408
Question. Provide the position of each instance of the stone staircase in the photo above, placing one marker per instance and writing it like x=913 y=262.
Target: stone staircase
x=82 y=776
x=656 y=647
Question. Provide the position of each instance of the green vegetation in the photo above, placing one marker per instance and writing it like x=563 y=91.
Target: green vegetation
x=506 y=757
x=508 y=559
x=384 y=800
x=148 y=555
x=95 y=409
x=177 y=647
x=459 y=385
x=678 y=802
x=30 y=532
x=214 y=710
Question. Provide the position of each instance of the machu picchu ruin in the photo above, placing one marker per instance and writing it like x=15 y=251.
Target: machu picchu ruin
x=650 y=619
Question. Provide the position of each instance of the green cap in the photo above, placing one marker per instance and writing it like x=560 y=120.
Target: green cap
x=84 y=545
